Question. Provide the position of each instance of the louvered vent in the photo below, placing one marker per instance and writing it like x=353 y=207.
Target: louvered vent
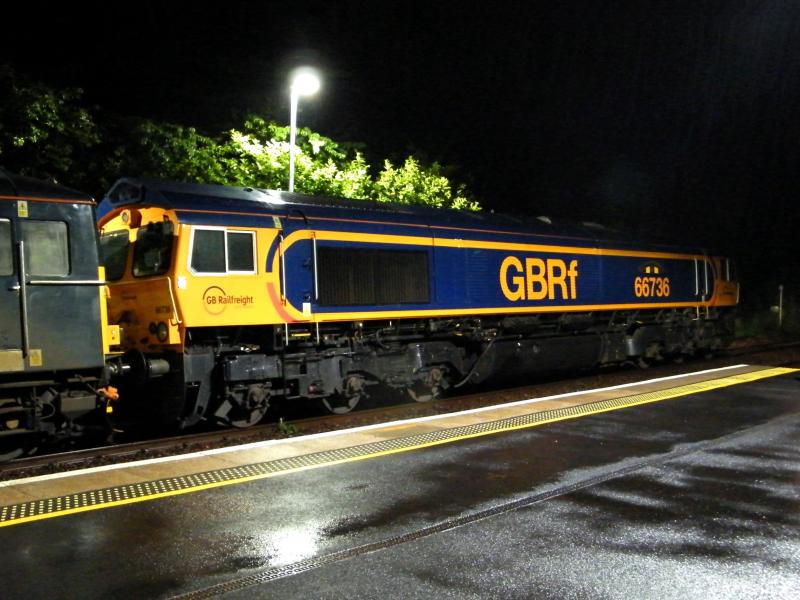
x=363 y=277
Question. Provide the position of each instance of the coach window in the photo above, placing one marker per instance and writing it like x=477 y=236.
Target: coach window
x=6 y=260
x=46 y=247
x=221 y=251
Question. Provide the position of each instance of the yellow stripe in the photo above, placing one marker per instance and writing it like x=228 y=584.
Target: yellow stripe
x=410 y=240
x=636 y=400
x=366 y=316
x=339 y=236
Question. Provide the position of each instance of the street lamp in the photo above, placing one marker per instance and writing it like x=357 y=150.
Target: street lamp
x=304 y=83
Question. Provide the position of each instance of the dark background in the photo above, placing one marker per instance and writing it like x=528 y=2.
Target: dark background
x=677 y=120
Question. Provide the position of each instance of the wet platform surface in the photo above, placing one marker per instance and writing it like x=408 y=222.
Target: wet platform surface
x=697 y=495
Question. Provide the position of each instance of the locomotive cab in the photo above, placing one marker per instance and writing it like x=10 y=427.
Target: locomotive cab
x=178 y=292
x=139 y=267
x=727 y=283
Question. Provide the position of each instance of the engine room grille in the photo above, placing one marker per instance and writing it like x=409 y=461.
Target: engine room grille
x=355 y=277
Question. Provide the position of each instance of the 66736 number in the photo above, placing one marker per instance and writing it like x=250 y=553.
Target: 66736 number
x=651 y=287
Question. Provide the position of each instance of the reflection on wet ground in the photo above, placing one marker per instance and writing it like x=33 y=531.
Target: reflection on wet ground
x=704 y=483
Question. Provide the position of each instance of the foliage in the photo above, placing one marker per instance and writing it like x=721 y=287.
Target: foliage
x=414 y=184
x=258 y=155
x=168 y=151
x=287 y=429
x=46 y=132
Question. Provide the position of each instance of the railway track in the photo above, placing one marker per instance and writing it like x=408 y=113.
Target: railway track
x=198 y=441
x=181 y=444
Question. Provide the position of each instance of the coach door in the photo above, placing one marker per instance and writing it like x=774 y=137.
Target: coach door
x=56 y=286
x=11 y=356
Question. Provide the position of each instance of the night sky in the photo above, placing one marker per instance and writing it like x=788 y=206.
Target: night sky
x=680 y=119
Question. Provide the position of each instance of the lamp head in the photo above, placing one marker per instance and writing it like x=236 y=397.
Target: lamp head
x=305 y=82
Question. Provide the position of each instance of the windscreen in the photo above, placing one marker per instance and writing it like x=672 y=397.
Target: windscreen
x=114 y=253
x=152 y=251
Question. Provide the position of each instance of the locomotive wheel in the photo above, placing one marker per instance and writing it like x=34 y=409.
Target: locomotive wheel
x=252 y=410
x=346 y=400
x=251 y=418
x=425 y=390
x=19 y=449
x=11 y=453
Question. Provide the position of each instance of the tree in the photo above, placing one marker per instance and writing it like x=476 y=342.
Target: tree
x=414 y=184
x=259 y=157
x=45 y=132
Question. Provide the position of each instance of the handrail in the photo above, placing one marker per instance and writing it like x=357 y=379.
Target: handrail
x=316 y=284
x=283 y=269
x=174 y=304
x=67 y=282
x=23 y=295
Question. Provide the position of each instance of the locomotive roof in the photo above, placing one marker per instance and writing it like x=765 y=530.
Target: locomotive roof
x=28 y=187
x=174 y=195
x=247 y=200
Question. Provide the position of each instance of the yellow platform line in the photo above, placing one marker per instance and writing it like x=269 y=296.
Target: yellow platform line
x=49 y=508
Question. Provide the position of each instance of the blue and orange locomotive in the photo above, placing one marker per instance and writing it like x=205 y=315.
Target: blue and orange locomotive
x=228 y=297
x=207 y=302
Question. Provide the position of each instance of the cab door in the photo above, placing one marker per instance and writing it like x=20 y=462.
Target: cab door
x=299 y=266
x=57 y=285
x=703 y=279
x=11 y=358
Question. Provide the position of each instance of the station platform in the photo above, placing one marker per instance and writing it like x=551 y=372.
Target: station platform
x=292 y=516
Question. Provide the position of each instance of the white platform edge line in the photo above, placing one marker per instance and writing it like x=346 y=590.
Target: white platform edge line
x=304 y=438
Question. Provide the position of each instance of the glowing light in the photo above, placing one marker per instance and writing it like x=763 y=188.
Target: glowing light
x=305 y=82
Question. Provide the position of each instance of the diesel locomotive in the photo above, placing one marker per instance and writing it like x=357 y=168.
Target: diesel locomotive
x=54 y=334
x=228 y=298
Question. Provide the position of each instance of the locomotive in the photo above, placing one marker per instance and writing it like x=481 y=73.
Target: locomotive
x=54 y=334
x=228 y=298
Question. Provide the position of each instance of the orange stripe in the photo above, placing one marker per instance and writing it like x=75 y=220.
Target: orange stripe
x=375 y=222
x=276 y=302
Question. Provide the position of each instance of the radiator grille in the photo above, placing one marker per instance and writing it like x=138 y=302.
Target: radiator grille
x=358 y=277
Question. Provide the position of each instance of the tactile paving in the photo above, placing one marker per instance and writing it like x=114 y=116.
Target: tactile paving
x=138 y=492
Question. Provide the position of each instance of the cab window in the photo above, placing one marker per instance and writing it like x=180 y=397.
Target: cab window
x=6 y=258
x=152 y=251
x=222 y=251
x=114 y=253
x=46 y=247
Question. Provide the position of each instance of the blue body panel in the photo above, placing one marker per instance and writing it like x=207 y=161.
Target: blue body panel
x=466 y=251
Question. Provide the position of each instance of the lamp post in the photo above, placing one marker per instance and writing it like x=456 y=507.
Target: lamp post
x=304 y=83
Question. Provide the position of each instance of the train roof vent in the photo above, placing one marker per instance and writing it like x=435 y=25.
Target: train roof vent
x=125 y=192
x=593 y=225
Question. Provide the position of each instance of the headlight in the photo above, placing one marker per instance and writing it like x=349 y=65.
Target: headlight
x=162 y=332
